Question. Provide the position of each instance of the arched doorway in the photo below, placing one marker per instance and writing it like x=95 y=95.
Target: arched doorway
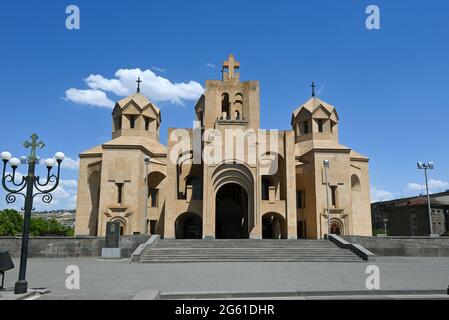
x=189 y=226
x=122 y=224
x=336 y=227
x=273 y=226
x=231 y=212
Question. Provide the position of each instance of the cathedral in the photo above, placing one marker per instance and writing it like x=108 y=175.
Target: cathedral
x=224 y=178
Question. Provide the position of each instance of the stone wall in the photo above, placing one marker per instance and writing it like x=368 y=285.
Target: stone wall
x=404 y=246
x=62 y=247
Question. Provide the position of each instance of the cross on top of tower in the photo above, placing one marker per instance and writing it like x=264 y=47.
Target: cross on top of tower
x=313 y=86
x=138 y=84
x=230 y=67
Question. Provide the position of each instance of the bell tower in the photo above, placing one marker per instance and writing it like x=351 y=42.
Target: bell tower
x=229 y=102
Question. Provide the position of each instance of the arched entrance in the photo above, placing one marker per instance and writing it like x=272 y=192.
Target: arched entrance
x=336 y=227
x=189 y=226
x=231 y=212
x=273 y=226
x=122 y=224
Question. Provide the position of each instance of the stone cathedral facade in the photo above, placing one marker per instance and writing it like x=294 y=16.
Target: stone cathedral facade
x=225 y=177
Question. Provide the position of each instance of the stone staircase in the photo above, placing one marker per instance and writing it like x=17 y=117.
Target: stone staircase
x=245 y=250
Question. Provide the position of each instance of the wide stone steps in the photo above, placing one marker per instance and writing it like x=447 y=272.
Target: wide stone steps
x=169 y=251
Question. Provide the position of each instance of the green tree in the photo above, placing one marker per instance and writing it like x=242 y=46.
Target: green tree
x=11 y=223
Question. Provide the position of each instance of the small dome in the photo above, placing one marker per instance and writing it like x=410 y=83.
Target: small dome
x=312 y=105
x=139 y=100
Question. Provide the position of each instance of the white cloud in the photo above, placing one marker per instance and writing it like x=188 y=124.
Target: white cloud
x=89 y=97
x=98 y=82
x=380 y=195
x=69 y=183
x=70 y=164
x=64 y=197
x=434 y=186
x=210 y=65
x=156 y=88
x=67 y=163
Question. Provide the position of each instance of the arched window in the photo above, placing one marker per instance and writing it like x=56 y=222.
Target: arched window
x=355 y=183
x=238 y=106
x=225 y=106
x=197 y=189
x=122 y=224
x=336 y=227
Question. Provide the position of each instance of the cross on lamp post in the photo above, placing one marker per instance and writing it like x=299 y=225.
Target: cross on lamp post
x=29 y=183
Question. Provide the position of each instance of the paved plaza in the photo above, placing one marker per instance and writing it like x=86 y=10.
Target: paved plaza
x=119 y=279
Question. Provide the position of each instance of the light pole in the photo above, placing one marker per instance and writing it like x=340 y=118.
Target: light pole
x=147 y=163
x=29 y=183
x=385 y=225
x=326 y=166
x=425 y=166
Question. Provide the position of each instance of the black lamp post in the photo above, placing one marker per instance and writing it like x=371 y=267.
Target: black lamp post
x=29 y=183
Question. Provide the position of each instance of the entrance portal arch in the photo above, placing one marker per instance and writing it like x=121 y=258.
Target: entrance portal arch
x=336 y=227
x=233 y=200
x=273 y=226
x=189 y=225
x=231 y=212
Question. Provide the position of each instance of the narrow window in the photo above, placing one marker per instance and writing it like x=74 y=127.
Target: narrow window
x=300 y=199
x=132 y=122
x=225 y=106
x=118 y=123
x=334 y=195
x=265 y=189
x=147 y=124
x=153 y=195
x=320 y=125
x=306 y=127
x=119 y=192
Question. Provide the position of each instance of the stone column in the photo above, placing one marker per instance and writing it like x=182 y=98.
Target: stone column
x=290 y=171
x=208 y=204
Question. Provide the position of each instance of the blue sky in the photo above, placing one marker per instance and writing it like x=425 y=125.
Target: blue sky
x=390 y=86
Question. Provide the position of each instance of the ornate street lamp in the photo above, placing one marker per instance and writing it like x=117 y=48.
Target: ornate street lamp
x=147 y=163
x=29 y=183
x=326 y=166
x=427 y=166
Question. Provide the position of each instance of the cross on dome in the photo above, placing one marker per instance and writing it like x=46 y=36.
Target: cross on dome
x=138 y=84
